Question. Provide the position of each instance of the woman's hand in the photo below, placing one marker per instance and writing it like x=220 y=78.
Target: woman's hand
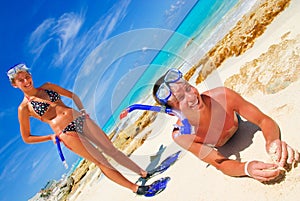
x=282 y=153
x=83 y=112
x=262 y=171
x=53 y=138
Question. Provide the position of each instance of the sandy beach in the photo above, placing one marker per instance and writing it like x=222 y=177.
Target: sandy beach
x=267 y=74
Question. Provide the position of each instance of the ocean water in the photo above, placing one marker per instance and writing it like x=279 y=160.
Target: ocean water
x=205 y=24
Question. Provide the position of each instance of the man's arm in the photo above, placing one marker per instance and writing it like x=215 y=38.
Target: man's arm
x=255 y=169
x=270 y=129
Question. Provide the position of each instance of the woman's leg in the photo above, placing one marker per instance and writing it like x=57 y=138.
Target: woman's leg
x=85 y=149
x=100 y=139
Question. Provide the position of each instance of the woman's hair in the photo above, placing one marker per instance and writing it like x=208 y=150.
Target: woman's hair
x=155 y=89
x=13 y=71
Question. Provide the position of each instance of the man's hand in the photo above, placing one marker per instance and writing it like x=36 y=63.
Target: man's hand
x=263 y=171
x=282 y=153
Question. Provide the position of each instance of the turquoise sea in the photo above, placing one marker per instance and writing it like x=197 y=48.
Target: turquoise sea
x=205 y=24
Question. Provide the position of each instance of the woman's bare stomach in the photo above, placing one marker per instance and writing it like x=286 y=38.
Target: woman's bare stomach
x=64 y=115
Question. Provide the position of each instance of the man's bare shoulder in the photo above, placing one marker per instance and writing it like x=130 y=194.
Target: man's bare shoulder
x=222 y=95
x=218 y=92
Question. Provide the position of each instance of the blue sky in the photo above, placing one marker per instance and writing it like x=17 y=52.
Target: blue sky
x=57 y=40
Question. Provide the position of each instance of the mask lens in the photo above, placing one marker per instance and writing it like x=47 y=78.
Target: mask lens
x=12 y=71
x=20 y=67
x=163 y=93
x=173 y=75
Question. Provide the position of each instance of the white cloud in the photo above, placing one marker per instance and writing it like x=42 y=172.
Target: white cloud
x=62 y=31
x=172 y=12
x=66 y=30
x=109 y=79
x=8 y=144
x=8 y=111
x=14 y=162
x=174 y=7
x=74 y=44
x=19 y=159
x=39 y=38
x=115 y=17
x=95 y=97
x=87 y=43
x=67 y=27
x=144 y=49
x=40 y=165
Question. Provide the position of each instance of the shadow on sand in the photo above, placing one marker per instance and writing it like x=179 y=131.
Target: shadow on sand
x=242 y=139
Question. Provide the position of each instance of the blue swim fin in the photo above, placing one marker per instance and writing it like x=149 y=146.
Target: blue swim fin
x=164 y=165
x=157 y=187
x=170 y=160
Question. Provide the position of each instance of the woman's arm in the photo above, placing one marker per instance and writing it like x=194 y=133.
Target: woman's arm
x=23 y=115
x=66 y=93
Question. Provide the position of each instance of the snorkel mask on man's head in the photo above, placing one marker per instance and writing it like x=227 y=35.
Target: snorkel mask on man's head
x=13 y=71
x=172 y=77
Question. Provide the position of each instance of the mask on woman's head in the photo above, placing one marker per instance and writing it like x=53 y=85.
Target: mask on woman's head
x=11 y=73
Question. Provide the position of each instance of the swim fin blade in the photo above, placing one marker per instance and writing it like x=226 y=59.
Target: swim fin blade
x=164 y=165
x=157 y=187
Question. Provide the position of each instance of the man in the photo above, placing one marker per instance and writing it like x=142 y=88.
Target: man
x=215 y=116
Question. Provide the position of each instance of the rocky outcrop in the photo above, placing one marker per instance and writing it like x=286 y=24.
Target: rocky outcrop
x=240 y=38
x=272 y=71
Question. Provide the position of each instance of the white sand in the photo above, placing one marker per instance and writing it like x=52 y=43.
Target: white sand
x=191 y=179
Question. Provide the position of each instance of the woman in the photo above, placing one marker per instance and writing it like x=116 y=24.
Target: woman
x=74 y=128
x=215 y=117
